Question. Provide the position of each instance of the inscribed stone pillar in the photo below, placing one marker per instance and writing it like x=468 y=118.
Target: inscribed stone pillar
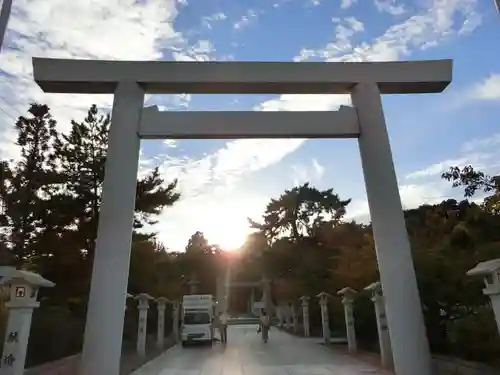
x=160 y=334
x=382 y=328
x=23 y=288
x=288 y=316
x=220 y=294
x=490 y=271
x=325 y=323
x=143 y=307
x=175 y=320
x=304 y=302
x=266 y=295
x=294 y=317
x=348 y=301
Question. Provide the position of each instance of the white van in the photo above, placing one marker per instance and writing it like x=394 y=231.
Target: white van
x=197 y=318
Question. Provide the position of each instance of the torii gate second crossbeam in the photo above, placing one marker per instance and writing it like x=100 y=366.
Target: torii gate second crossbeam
x=364 y=81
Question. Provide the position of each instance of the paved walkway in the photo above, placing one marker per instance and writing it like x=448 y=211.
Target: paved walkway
x=246 y=354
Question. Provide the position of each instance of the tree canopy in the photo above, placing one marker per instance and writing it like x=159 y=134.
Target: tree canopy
x=50 y=200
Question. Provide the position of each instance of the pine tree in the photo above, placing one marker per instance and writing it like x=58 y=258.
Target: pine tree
x=82 y=157
x=27 y=185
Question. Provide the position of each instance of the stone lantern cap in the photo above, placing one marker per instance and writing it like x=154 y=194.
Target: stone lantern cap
x=12 y=276
x=143 y=299
x=346 y=292
x=374 y=287
x=162 y=301
x=23 y=285
x=490 y=270
x=324 y=295
x=485 y=268
x=304 y=299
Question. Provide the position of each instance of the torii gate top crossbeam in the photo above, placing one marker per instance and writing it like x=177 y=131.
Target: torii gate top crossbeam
x=101 y=77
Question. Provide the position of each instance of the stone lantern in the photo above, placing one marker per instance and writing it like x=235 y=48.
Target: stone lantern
x=143 y=307
x=304 y=302
x=161 y=303
x=382 y=327
x=23 y=287
x=348 y=301
x=490 y=271
x=325 y=323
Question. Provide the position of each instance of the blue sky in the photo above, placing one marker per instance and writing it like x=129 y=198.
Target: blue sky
x=224 y=182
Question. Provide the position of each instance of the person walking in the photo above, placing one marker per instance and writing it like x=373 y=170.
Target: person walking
x=265 y=324
x=223 y=327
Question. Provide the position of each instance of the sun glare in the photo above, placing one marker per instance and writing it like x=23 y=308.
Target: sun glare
x=230 y=236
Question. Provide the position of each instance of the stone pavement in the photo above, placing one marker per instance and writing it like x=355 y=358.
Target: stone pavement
x=246 y=354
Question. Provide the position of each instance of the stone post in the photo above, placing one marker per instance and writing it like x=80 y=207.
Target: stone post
x=294 y=317
x=382 y=327
x=128 y=296
x=288 y=316
x=490 y=271
x=143 y=307
x=348 y=300
x=23 y=287
x=160 y=334
x=266 y=295
x=252 y=301
x=175 y=320
x=325 y=324
x=193 y=285
x=304 y=302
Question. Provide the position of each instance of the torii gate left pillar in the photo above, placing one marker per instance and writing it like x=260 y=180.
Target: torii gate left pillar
x=129 y=81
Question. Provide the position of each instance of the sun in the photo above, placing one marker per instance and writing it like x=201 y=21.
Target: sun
x=229 y=235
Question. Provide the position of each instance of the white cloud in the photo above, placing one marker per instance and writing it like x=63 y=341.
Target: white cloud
x=488 y=89
x=390 y=6
x=208 y=21
x=443 y=20
x=345 y=4
x=303 y=173
x=482 y=143
x=412 y=196
x=202 y=50
x=250 y=16
x=111 y=29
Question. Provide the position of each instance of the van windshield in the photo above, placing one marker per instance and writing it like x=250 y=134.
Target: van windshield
x=197 y=318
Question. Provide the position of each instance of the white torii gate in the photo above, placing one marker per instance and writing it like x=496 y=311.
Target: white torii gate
x=129 y=81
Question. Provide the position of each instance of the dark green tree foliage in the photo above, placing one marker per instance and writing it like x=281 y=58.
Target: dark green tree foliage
x=82 y=157
x=298 y=212
x=27 y=185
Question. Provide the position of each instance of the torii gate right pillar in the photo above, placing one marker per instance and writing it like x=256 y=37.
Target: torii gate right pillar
x=404 y=312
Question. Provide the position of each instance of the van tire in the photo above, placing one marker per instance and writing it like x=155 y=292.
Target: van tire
x=183 y=344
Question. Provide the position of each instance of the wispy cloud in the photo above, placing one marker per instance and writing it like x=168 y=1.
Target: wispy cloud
x=247 y=19
x=208 y=21
x=112 y=29
x=345 y=4
x=390 y=6
x=312 y=172
x=488 y=89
